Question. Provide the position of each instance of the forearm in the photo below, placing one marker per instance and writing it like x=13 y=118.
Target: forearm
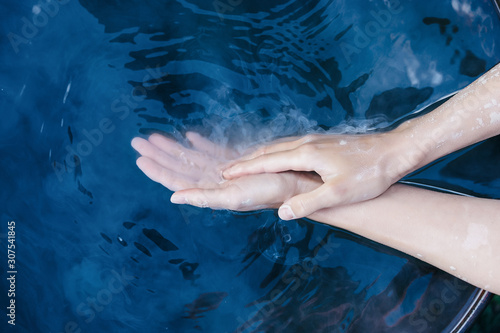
x=472 y=115
x=460 y=235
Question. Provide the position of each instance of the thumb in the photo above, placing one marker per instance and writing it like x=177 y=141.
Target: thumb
x=303 y=205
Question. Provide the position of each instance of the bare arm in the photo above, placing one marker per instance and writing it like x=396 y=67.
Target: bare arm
x=472 y=115
x=354 y=168
x=460 y=235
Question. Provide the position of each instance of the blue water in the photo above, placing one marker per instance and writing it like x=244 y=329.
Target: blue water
x=98 y=245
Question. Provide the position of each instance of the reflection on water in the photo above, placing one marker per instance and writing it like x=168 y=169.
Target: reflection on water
x=110 y=253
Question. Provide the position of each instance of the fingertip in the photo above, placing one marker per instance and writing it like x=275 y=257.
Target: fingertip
x=158 y=139
x=226 y=174
x=195 y=139
x=136 y=142
x=190 y=135
x=285 y=212
x=257 y=153
x=141 y=162
x=153 y=136
x=147 y=167
x=231 y=172
x=178 y=199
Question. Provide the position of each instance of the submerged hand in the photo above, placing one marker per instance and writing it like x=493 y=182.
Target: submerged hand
x=352 y=168
x=196 y=175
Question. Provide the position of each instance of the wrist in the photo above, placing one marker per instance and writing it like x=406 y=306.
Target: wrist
x=404 y=151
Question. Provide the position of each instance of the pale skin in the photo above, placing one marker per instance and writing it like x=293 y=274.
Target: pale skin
x=361 y=167
x=346 y=181
x=458 y=234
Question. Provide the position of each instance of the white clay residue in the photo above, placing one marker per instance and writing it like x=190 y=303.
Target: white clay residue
x=246 y=202
x=494 y=117
x=480 y=121
x=477 y=235
x=457 y=135
x=202 y=204
x=453 y=268
x=342 y=142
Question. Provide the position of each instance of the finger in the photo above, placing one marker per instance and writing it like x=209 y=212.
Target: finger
x=138 y=144
x=146 y=148
x=215 y=198
x=177 y=151
x=167 y=145
x=278 y=145
x=282 y=144
x=168 y=178
x=230 y=197
x=201 y=143
x=305 y=204
x=275 y=162
x=182 y=166
x=210 y=148
x=267 y=149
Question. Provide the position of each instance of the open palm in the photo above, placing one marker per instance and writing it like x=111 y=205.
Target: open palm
x=195 y=175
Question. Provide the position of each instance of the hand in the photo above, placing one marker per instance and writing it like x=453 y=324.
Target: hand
x=352 y=168
x=196 y=175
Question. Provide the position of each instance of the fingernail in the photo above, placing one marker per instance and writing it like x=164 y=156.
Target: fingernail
x=286 y=213
x=177 y=199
